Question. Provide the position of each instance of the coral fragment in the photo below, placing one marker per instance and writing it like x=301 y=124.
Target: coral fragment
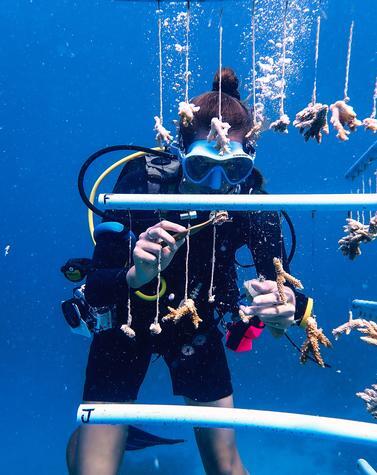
x=281 y=125
x=356 y=234
x=219 y=132
x=370 y=124
x=314 y=336
x=367 y=328
x=343 y=116
x=282 y=277
x=187 y=308
x=186 y=112
x=369 y=396
x=312 y=121
x=163 y=135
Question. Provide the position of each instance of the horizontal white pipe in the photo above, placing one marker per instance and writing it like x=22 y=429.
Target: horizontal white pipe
x=365 y=468
x=346 y=202
x=219 y=417
x=364 y=305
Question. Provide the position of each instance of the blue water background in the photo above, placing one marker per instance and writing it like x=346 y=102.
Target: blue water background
x=76 y=76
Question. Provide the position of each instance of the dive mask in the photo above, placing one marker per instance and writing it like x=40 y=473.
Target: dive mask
x=203 y=165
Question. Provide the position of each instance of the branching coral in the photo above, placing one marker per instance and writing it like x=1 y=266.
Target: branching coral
x=368 y=329
x=219 y=132
x=369 y=396
x=163 y=136
x=186 y=112
x=188 y=308
x=282 y=277
x=370 y=124
x=281 y=125
x=314 y=336
x=312 y=121
x=343 y=116
x=357 y=233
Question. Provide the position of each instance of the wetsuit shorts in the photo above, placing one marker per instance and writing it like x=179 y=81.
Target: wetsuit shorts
x=118 y=364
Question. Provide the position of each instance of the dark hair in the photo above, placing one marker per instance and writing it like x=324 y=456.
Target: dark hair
x=229 y=83
x=232 y=109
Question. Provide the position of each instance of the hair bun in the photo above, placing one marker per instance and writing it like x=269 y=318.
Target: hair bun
x=229 y=82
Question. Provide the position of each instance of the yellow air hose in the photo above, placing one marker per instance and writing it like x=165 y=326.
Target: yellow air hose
x=122 y=161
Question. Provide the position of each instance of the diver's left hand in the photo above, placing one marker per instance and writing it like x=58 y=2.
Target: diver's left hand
x=267 y=307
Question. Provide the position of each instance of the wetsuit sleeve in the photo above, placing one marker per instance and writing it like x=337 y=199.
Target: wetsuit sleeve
x=262 y=234
x=106 y=283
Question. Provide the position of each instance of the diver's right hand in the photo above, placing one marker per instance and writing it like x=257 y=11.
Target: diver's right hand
x=147 y=250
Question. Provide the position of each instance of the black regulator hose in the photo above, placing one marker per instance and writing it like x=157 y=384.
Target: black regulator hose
x=104 y=151
x=293 y=236
x=293 y=242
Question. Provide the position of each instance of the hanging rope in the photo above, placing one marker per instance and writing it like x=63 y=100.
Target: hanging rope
x=363 y=192
x=187 y=263
x=346 y=98
x=253 y=60
x=211 y=297
x=155 y=327
x=374 y=110
x=187 y=52
x=284 y=53
x=220 y=60
x=281 y=236
x=314 y=95
x=160 y=61
x=129 y=315
x=126 y=328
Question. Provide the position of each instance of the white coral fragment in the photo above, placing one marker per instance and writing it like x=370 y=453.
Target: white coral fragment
x=163 y=135
x=219 y=132
x=281 y=125
x=186 y=112
x=343 y=116
x=370 y=124
x=128 y=331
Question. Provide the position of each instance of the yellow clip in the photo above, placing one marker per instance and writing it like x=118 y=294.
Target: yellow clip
x=152 y=298
x=308 y=312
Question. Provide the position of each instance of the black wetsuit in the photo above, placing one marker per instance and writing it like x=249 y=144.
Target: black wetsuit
x=196 y=358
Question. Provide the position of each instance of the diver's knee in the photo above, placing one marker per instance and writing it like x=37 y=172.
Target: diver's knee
x=71 y=451
x=226 y=467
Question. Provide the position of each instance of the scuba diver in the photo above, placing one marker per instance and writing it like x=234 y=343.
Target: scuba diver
x=196 y=359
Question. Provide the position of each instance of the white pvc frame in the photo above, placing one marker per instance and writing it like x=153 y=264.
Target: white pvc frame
x=365 y=468
x=347 y=430
x=339 y=202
